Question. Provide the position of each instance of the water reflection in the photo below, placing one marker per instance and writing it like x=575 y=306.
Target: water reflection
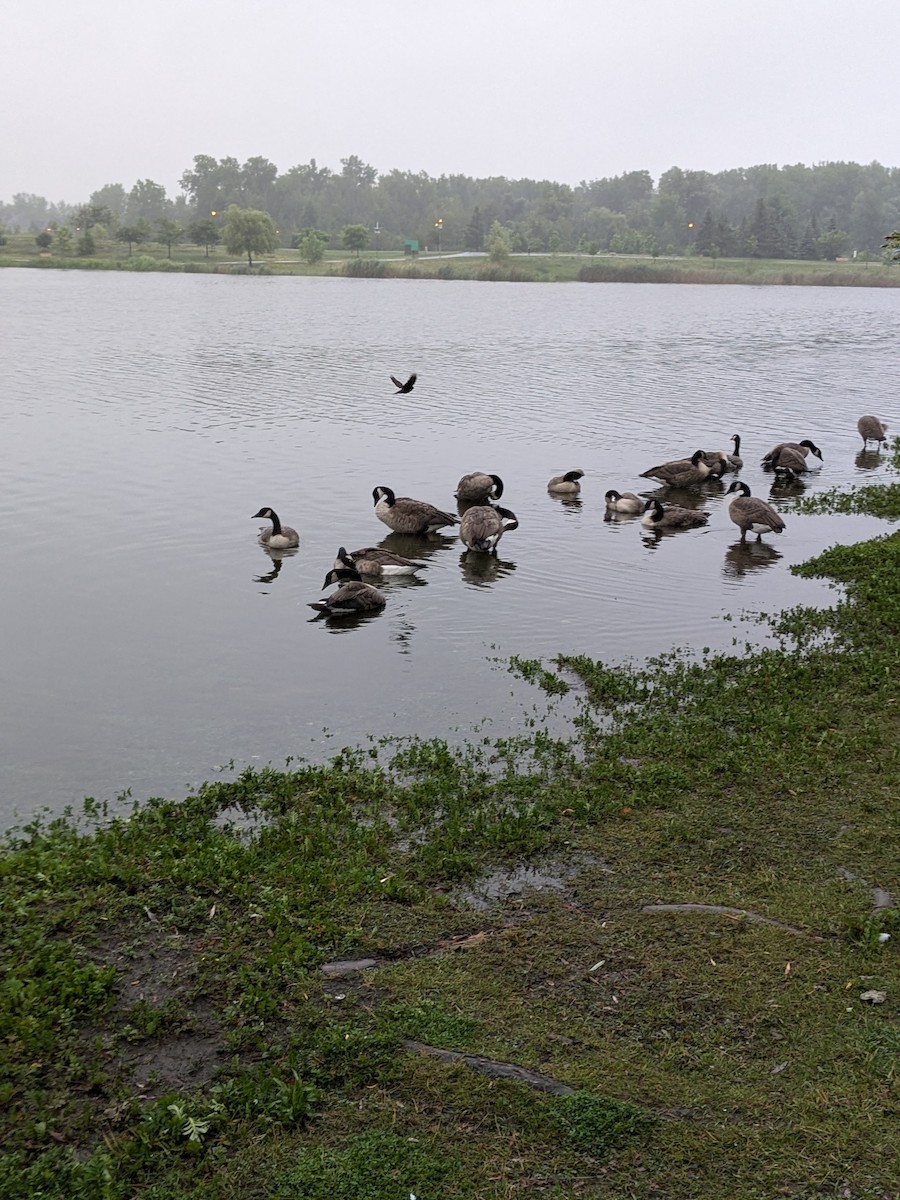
x=277 y=557
x=402 y=633
x=416 y=547
x=567 y=500
x=483 y=570
x=743 y=557
x=784 y=486
x=867 y=460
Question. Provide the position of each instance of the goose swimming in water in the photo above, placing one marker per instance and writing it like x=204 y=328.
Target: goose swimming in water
x=404 y=515
x=750 y=514
x=673 y=516
x=353 y=596
x=566 y=485
x=279 y=537
x=371 y=560
x=623 y=502
x=680 y=471
x=479 y=487
x=483 y=526
x=804 y=448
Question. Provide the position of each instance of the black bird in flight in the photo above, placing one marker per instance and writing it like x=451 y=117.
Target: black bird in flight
x=403 y=387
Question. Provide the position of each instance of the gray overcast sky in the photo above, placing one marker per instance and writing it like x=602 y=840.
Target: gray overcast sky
x=100 y=91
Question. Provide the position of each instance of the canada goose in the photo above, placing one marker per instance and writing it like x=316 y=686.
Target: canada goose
x=353 y=596
x=479 y=487
x=750 y=514
x=872 y=430
x=566 y=484
x=806 y=447
x=279 y=537
x=788 y=458
x=724 y=461
x=483 y=526
x=403 y=387
x=371 y=560
x=404 y=515
x=680 y=471
x=672 y=517
x=623 y=502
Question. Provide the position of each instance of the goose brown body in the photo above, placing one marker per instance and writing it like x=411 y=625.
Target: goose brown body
x=352 y=596
x=568 y=484
x=405 y=515
x=680 y=471
x=278 y=537
x=750 y=514
x=804 y=448
x=871 y=429
x=672 y=516
x=623 y=502
x=479 y=487
x=483 y=526
x=372 y=560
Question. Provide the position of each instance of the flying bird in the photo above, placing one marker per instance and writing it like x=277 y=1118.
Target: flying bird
x=404 y=387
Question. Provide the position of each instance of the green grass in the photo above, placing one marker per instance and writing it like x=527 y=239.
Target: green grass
x=166 y=1030
x=20 y=250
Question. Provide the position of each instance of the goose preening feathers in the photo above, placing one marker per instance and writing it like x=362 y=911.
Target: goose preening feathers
x=404 y=388
x=371 y=560
x=681 y=471
x=566 y=485
x=750 y=514
x=672 y=516
x=623 y=502
x=404 y=515
x=479 y=487
x=483 y=526
x=872 y=430
x=353 y=596
x=279 y=537
x=790 y=458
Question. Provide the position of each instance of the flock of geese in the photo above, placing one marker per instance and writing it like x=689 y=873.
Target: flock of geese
x=484 y=522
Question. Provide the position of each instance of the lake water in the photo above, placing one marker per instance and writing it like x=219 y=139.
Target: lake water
x=148 y=639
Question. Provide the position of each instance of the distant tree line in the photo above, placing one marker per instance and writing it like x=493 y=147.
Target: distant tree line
x=822 y=211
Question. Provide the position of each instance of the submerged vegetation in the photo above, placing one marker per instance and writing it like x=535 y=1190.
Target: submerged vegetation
x=337 y=982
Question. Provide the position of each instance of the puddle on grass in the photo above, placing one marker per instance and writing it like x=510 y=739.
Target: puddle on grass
x=498 y=884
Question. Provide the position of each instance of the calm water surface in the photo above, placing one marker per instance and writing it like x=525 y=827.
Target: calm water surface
x=148 y=639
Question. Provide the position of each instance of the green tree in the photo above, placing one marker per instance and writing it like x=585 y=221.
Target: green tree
x=44 y=239
x=892 y=245
x=169 y=232
x=311 y=244
x=474 y=231
x=832 y=243
x=204 y=232
x=64 y=239
x=131 y=234
x=498 y=243
x=554 y=241
x=355 y=237
x=86 y=244
x=249 y=231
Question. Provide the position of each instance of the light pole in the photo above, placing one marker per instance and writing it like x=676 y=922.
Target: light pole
x=439 y=225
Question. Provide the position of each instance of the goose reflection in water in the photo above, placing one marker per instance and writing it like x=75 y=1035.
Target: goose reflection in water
x=414 y=546
x=787 y=485
x=867 y=460
x=742 y=558
x=277 y=557
x=570 y=500
x=483 y=570
x=402 y=634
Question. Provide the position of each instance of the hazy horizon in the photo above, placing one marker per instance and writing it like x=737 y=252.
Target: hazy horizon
x=528 y=89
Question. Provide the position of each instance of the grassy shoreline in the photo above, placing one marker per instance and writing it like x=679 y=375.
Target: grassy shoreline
x=520 y=268
x=329 y=982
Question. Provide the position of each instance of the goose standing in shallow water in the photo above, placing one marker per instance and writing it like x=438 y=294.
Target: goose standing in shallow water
x=789 y=458
x=479 y=487
x=353 y=596
x=623 y=502
x=483 y=526
x=404 y=515
x=872 y=430
x=279 y=537
x=725 y=461
x=566 y=485
x=672 y=517
x=371 y=560
x=681 y=471
x=750 y=514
